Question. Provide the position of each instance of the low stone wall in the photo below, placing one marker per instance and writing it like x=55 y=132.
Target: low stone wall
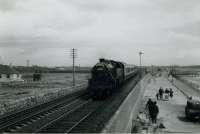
x=37 y=99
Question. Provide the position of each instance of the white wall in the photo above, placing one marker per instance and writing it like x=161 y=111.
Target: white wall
x=13 y=77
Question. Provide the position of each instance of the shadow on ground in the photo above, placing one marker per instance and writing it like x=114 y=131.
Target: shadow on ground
x=184 y=119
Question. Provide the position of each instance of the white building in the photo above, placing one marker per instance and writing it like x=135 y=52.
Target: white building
x=8 y=74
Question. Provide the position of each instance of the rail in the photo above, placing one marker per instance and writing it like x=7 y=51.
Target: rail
x=31 y=115
x=75 y=107
x=85 y=119
x=35 y=100
x=61 y=95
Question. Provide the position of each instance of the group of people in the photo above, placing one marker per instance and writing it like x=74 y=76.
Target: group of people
x=152 y=107
x=153 y=110
x=167 y=91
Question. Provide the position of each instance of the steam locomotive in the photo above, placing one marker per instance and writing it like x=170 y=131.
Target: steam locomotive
x=107 y=76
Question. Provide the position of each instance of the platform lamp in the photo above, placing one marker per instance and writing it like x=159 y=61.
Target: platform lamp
x=140 y=54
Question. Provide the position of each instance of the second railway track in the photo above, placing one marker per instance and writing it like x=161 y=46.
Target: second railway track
x=22 y=120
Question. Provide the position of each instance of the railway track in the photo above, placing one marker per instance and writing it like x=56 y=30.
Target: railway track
x=22 y=120
x=70 y=120
x=77 y=113
x=88 y=118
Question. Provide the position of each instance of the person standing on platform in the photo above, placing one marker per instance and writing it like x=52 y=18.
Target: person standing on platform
x=155 y=111
x=157 y=96
x=149 y=102
x=149 y=107
x=161 y=93
x=166 y=91
x=171 y=93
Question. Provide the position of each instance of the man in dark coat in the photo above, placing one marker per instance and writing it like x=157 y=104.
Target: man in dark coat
x=161 y=93
x=157 y=96
x=171 y=93
x=155 y=111
x=149 y=102
x=166 y=91
x=149 y=107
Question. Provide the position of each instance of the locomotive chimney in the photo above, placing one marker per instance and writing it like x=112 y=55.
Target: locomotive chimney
x=101 y=60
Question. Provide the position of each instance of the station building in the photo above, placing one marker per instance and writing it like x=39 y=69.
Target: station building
x=8 y=74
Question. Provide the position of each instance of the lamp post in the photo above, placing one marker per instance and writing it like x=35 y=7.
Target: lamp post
x=140 y=54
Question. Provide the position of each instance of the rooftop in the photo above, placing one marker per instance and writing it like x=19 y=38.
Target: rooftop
x=4 y=69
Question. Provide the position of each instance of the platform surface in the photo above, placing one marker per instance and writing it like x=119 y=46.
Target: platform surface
x=171 y=112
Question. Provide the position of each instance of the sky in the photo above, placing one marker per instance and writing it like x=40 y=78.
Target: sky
x=45 y=31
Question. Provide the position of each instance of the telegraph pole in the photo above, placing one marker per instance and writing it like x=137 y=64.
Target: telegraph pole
x=73 y=56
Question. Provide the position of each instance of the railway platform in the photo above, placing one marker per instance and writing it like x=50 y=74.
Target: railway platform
x=171 y=112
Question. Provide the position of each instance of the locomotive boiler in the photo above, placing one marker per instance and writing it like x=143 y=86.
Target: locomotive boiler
x=107 y=76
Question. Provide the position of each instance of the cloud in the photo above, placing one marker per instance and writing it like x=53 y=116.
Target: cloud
x=38 y=30
x=6 y=5
x=191 y=29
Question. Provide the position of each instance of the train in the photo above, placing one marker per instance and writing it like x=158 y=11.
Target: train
x=107 y=76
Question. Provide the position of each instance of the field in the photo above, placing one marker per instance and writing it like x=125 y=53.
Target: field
x=51 y=84
x=188 y=69
x=192 y=81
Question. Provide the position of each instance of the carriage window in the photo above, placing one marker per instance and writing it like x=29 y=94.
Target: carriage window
x=0 y=76
x=8 y=76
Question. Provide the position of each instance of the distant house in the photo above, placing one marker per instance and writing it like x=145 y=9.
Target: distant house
x=8 y=74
